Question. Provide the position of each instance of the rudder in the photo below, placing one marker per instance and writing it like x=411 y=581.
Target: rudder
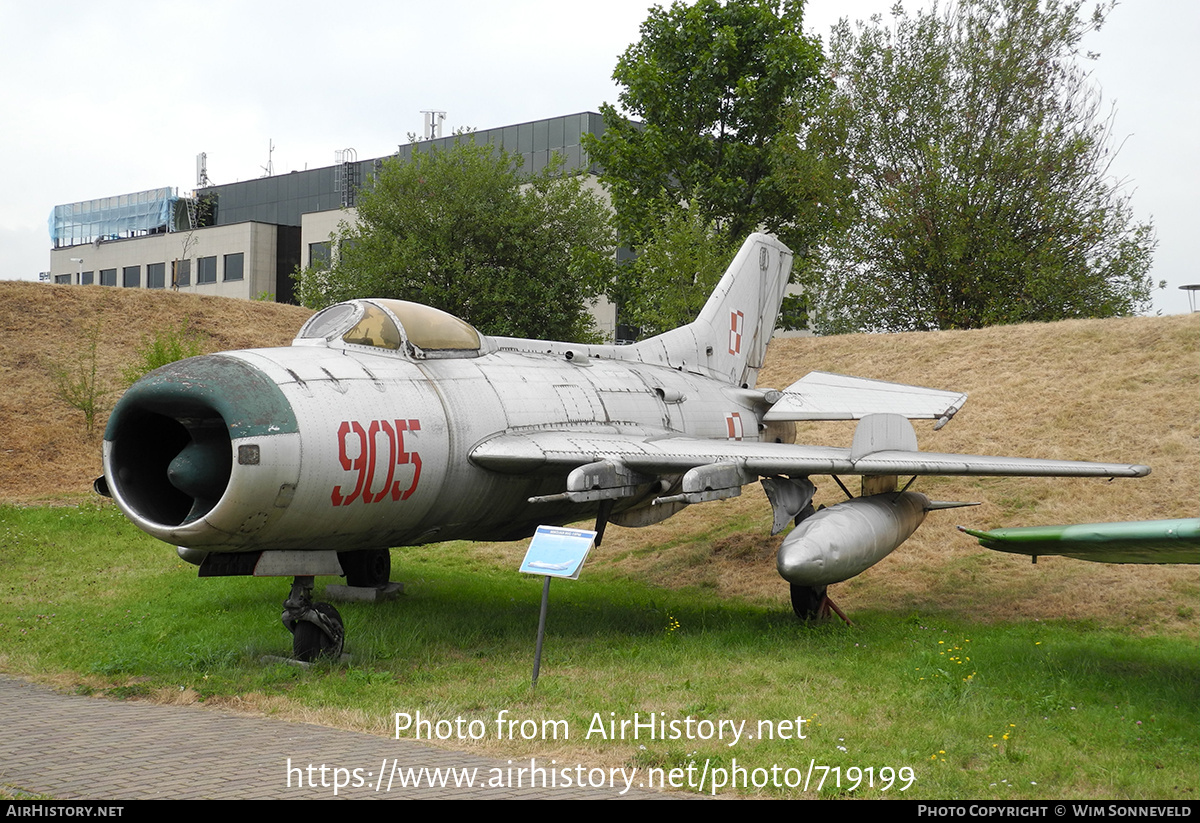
x=728 y=340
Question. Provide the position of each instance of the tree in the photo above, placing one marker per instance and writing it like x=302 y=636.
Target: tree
x=675 y=271
x=975 y=169
x=462 y=230
x=78 y=384
x=714 y=86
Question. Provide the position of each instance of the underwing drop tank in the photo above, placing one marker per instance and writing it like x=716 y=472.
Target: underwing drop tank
x=845 y=540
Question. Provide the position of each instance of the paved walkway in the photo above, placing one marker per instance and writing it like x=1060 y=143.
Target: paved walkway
x=73 y=747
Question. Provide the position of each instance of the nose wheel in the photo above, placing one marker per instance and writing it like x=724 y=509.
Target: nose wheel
x=317 y=629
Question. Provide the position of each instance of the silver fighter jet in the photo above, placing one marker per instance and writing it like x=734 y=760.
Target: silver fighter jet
x=388 y=423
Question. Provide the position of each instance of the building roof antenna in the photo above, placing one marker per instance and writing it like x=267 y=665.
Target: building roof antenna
x=433 y=124
x=270 y=167
x=202 y=180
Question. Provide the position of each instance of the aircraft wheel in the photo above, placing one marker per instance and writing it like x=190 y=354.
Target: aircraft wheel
x=309 y=641
x=807 y=601
x=368 y=567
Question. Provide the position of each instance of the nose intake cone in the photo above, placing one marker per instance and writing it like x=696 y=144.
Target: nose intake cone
x=199 y=471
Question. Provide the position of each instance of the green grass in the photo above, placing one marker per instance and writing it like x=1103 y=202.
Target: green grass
x=1030 y=710
x=14 y=793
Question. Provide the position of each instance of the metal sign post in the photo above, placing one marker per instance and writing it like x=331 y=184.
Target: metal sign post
x=554 y=552
x=537 y=655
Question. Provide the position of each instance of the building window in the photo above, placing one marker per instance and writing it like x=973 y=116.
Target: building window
x=87 y=278
x=183 y=272
x=318 y=255
x=131 y=277
x=108 y=277
x=63 y=278
x=233 y=266
x=206 y=270
x=156 y=275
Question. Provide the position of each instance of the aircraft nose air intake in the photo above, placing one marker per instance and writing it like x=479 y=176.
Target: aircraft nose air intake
x=169 y=444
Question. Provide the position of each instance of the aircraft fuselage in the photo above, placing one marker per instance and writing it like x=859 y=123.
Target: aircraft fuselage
x=361 y=450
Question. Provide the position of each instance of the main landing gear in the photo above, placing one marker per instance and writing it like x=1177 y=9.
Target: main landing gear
x=367 y=568
x=814 y=603
x=808 y=602
x=316 y=628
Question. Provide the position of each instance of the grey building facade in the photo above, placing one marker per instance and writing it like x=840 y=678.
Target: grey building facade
x=246 y=239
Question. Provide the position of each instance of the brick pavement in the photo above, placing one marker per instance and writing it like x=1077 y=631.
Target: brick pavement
x=74 y=747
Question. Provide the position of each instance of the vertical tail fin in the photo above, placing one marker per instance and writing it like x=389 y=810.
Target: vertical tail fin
x=729 y=339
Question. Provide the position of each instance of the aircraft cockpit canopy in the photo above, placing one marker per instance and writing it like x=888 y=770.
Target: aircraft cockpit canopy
x=417 y=331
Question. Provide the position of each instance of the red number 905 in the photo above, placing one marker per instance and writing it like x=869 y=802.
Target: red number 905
x=374 y=453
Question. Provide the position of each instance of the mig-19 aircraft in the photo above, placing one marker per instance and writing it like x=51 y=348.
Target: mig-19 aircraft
x=388 y=423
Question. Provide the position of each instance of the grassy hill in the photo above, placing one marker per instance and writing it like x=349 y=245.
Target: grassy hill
x=44 y=449
x=988 y=676
x=1122 y=390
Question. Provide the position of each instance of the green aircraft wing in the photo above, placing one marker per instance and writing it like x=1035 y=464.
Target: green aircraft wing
x=1145 y=541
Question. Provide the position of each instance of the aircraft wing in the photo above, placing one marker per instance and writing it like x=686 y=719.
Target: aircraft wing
x=1146 y=541
x=522 y=452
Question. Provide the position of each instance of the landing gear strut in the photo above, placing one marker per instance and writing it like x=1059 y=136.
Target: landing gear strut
x=316 y=628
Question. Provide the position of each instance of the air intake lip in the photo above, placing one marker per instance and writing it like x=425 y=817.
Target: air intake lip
x=170 y=438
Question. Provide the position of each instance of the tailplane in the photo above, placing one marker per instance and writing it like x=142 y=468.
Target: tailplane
x=729 y=339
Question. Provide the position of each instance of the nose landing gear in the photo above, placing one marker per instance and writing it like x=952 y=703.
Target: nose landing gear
x=316 y=628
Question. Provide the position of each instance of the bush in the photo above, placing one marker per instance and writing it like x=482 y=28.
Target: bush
x=78 y=386
x=165 y=346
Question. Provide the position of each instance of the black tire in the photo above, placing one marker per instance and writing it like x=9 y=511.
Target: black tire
x=310 y=643
x=369 y=568
x=807 y=600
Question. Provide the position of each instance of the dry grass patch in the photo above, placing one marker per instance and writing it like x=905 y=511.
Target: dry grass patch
x=44 y=451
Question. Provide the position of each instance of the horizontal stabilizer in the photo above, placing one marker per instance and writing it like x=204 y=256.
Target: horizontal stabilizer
x=824 y=396
x=1145 y=541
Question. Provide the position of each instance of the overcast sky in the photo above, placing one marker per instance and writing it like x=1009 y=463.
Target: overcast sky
x=103 y=98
